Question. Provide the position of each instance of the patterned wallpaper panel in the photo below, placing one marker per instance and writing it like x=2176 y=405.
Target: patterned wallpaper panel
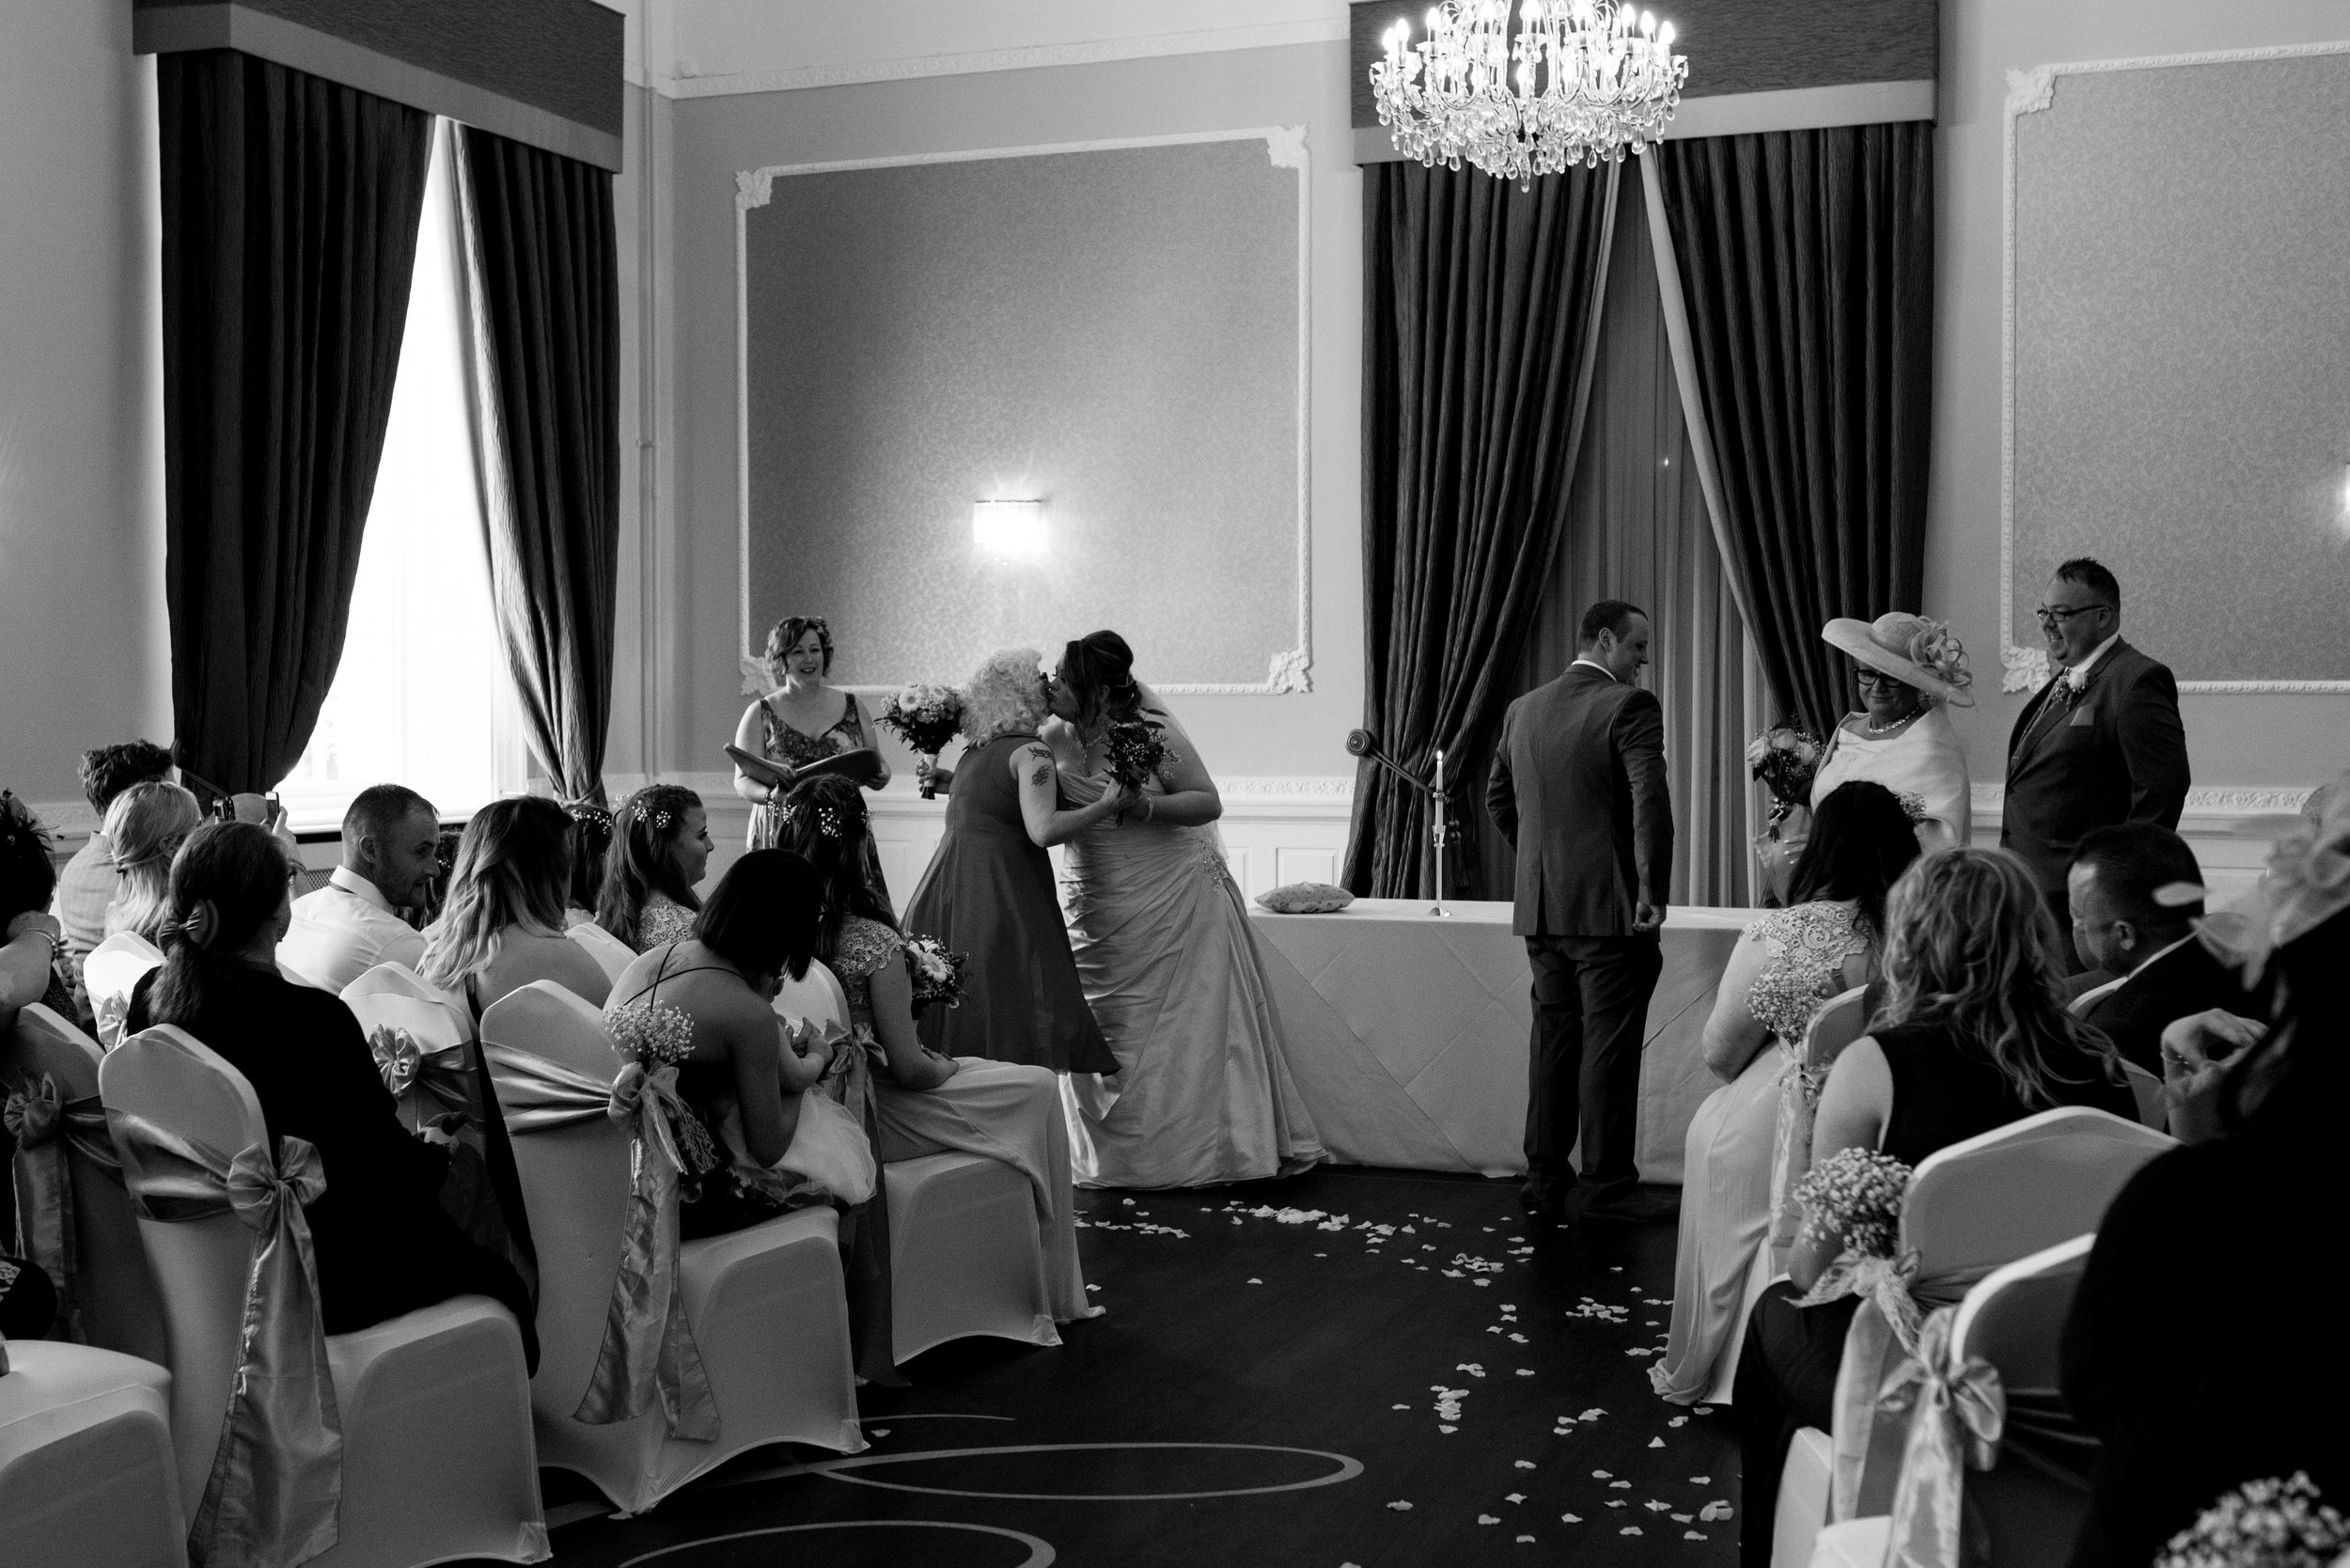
x=1115 y=331
x=2179 y=343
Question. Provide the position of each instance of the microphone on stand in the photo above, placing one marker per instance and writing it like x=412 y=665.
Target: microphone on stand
x=1363 y=743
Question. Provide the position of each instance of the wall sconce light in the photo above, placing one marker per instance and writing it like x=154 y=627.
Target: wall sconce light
x=1011 y=529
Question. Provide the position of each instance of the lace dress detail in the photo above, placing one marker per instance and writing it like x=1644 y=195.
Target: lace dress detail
x=1808 y=946
x=663 y=919
x=779 y=742
x=865 y=947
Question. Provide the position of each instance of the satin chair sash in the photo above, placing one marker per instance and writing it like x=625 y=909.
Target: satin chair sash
x=44 y=1124
x=1790 y=1149
x=649 y=1355
x=407 y=1066
x=1956 y=1412
x=275 y=1494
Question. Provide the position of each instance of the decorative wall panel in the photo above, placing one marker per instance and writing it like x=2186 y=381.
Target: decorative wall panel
x=2178 y=358
x=1115 y=329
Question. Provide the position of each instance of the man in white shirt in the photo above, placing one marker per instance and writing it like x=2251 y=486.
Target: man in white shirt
x=391 y=849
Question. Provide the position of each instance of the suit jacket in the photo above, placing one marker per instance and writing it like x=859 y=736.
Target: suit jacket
x=1578 y=787
x=2169 y=987
x=2120 y=755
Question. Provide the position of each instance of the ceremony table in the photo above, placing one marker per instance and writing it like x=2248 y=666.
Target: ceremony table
x=1407 y=1032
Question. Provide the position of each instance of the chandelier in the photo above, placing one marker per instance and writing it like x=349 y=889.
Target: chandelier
x=1590 y=79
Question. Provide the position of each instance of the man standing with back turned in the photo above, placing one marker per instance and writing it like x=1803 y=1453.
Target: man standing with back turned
x=1579 y=790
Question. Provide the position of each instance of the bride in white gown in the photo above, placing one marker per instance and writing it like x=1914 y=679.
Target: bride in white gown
x=1170 y=966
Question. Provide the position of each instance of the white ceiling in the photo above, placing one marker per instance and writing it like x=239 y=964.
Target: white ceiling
x=696 y=46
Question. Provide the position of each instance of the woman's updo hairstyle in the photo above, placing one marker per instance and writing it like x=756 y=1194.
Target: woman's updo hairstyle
x=1100 y=669
x=642 y=860
x=145 y=826
x=822 y=820
x=786 y=637
x=227 y=883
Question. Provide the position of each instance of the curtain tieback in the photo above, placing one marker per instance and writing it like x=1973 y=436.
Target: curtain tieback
x=406 y=1065
x=649 y=1355
x=276 y=1488
x=1957 y=1411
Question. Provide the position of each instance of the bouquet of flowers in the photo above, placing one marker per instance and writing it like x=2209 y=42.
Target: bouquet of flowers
x=1784 y=759
x=937 y=972
x=2262 y=1523
x=1856 y=1194
x=1137 y=753
x=656 y=1037
x=926 y=717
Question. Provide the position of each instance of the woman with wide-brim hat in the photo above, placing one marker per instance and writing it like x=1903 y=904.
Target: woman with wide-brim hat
x=1911 y=671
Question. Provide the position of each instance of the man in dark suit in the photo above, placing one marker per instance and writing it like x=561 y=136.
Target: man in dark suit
x=1579 y=790
x=2136 y=893
x=2101 y=742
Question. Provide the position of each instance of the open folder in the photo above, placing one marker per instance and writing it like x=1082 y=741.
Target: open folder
x=859 y=767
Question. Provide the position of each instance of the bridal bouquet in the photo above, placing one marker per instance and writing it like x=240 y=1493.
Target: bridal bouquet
x=1856 y=1194
x=654 y=1038
x=927 y=717
x=1784 y=759
x=937 y=972
x=2262 y=1523
x=1137 y=753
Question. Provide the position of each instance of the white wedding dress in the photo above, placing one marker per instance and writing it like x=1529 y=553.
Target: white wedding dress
x=1171 y=969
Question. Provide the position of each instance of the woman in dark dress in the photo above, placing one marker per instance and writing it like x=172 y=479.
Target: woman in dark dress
x=802 y=720
x=989 y=888
x=384 y=1245
x=2205 y=1349
x=1973 y=1034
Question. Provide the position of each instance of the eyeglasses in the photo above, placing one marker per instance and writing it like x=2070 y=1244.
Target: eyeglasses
x=1867 y=677
x=2057 y=617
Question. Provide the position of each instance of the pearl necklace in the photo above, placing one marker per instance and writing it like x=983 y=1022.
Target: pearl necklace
x=1875 y=731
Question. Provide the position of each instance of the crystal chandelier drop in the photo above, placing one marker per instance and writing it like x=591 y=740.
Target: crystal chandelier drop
x=1582 y=81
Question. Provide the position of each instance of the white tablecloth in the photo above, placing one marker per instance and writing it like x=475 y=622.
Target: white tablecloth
x=1407 y=1032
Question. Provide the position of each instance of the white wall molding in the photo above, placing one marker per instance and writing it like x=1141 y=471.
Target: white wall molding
x=2205 y=802
x=2231 y=827
x=1268 y=35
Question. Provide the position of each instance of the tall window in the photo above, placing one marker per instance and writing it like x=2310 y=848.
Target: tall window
x=422 y=697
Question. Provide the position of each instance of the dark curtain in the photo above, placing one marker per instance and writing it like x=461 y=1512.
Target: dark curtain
x=1479 y=301
x=1807 y=265
x=289 y=212
x=543 y=275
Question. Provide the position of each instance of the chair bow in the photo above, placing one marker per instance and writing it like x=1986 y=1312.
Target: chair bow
x=43 y=1125
x=1790 y=1146
x=275 y=1489
x=406 y=1065
x=1957 y=1411
x=649 y=1355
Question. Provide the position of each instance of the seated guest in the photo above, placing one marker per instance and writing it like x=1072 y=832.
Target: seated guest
x=1786 y=965
x=383 y=1243
x=2137 y=895
x=87 y=885
x=145 y=825
x=2204 y=1349
x=748 y=1079
x=31 y=939
x=924 y=1102
x=391 y=854
x=591 y=840
x=1973 y=1034
x=502 y=925
x=660 y=848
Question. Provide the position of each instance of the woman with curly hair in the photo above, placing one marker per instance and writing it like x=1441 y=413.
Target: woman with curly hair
x=989 y=888
x=145 y=825
x=1973 y=1034
x=660 y=848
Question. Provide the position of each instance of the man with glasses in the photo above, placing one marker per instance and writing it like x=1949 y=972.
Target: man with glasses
x=2100 y=744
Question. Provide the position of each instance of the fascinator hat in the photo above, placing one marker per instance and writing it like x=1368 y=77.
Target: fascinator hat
x=1910 y=649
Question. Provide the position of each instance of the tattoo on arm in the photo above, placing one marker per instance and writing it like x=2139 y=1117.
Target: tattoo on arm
x=1042 y=774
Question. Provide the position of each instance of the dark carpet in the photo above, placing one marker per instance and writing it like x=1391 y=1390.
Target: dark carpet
x=1350 y=1367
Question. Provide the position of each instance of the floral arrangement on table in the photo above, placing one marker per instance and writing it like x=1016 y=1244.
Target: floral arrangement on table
x=2262 y=1523
x=926 y=717
x=1137 y=753
x=654 y=1037
x=1785 y=759
x=937 y=974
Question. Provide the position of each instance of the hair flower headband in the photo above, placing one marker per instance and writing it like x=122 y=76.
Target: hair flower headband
x=827 y=819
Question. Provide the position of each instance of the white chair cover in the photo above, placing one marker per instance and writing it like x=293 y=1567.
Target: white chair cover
x=432 y=1405
x=110 y=973
x=102 y=1275
x=86 y=1469
x=611 y=954
x=1841 y=1020
x=764 y=1304
x=1996 y=1369
x=420 y=1038
x=1978 y=1204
